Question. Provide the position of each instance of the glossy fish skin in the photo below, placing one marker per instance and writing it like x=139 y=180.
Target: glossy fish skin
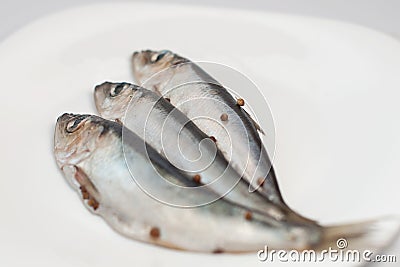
x=89 y=150
x=166 y=129
x=164 y=72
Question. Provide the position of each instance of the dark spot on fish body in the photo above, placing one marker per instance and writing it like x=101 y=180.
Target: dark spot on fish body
x=197 y=178
x=155 y=232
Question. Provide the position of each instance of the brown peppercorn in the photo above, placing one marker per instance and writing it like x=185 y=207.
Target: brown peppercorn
x=197 y=178
x=224 y=117
x=169 y=100
x=240 y=102
x=93 y=203
x=155 y=232
x=218 y=251
x=213 y=139
x=261 y=181
x=248 y=216
x=85 y=193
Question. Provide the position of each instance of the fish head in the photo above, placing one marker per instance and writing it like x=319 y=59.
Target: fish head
x=112 y=99
x=153 y=68
x=75 y=138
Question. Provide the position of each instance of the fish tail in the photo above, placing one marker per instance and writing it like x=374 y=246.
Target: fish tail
x=372 y=235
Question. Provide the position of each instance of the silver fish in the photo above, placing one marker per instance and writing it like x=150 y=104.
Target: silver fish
x=179 y=140
x=92 y=155
x=198 y=95
x=89 y=151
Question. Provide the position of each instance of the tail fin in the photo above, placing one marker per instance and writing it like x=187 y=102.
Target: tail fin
x=373 y=235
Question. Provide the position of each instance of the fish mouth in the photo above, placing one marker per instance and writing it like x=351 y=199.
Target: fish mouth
x=103 y=87
x=100 y=94
x=139 y=60
x=143 y=58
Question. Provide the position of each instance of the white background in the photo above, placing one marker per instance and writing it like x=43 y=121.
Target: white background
x=377 y=14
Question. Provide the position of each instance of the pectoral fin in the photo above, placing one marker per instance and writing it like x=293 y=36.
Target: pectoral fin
x=80 y=181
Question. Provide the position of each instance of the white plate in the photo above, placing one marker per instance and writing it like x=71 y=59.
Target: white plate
x=333 y=89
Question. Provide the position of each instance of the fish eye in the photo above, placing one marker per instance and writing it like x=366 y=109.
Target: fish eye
x=73 y=125
x=158 y=56
x=117 y=89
